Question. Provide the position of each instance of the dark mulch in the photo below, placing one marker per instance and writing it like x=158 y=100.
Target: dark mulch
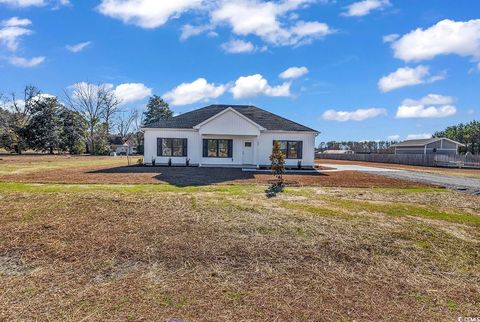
x=194 y=176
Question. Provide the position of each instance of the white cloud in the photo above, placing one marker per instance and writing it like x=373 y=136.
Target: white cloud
x=445 y=37
x=131 y=92
x=274 y=22
x=252 y=17
x=305 y=32
x=126 y=93
x=419 y=136
x=394 y=137
x=190 y=31
x=255 y=85
x=390 y=38
x=16 y=22
x=363 y=8
x=146 y=13
x=25 y=62
x=23 y=3
x=430 y=99
x=33 y=3
x=13 y=29
x=357 y=115
x=422 y=111
x=430 y=106
x=407 y=76
x=78 y=47
x=294 y=72
x=237 y=46
x=189 y=93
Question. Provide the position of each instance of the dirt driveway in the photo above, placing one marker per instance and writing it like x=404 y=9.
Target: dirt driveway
x=456 y=182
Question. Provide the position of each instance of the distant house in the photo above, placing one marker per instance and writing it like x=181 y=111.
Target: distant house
x=228 y=135
x=428 y=146
x=121 y=147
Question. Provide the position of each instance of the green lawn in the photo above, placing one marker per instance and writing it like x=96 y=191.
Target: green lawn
x=23 y=165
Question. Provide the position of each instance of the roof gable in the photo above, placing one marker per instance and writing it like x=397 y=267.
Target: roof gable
x=423 y=142
x=226 y=111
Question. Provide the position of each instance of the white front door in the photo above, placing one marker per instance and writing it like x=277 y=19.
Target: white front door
x=247 y=152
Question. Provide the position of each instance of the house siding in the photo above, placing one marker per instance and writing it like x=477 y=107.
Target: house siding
x=229 y=123
x=266 y=139
x=438 y=147
x=262 y=145
x=150 y=152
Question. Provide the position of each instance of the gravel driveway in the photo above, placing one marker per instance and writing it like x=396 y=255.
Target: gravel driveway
x=469 y=185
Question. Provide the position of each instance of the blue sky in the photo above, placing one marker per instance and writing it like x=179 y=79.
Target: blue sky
x=369 y=69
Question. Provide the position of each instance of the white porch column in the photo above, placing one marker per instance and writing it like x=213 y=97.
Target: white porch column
x=255 y=152
x=201 y=151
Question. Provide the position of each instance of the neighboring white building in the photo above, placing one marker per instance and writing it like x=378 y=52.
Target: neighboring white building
x=428 y=146
x=228 y=135
x=120 y=147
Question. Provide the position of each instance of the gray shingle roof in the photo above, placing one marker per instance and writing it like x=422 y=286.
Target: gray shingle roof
x=421 y=142
x=263 y=118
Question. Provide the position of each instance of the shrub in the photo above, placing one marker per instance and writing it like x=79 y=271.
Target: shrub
x=277 y=162
x=278 y=169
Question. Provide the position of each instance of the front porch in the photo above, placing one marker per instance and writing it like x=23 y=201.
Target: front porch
x=220 y=150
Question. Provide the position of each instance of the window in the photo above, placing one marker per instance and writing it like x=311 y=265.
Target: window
x=171 y=147
x=248 y=144
x=217 y=148
x=291 y=149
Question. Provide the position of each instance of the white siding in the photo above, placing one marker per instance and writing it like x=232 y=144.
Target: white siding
x=194 y=147
x=230 y=123
x=265 y=143
x=262 y=146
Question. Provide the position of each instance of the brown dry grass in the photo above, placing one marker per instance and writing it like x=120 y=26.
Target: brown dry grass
x=232 y=255
x=150 y=252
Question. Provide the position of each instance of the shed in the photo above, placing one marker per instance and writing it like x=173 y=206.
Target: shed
x=428 y=146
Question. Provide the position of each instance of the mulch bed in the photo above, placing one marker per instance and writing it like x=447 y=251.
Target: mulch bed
x=193 y=176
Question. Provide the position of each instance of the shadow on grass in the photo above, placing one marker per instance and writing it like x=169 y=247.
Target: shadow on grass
x=185 y=176
x=193 y=176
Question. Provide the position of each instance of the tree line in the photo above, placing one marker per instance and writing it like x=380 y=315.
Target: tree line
x=358 y=146
x=468 y=134
x=83 y=121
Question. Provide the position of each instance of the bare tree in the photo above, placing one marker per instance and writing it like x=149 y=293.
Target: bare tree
x=137 y=128
x=96 y=103
x=126 y=124
x=20 y=114
x=111 y=103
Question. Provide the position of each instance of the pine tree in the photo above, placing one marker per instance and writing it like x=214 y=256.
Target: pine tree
x=157 y=109
x=73 y=133
x=44 y=128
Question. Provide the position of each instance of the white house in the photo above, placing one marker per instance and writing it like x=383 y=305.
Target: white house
x=428 y=146
x=120 y=147
x=228 y=135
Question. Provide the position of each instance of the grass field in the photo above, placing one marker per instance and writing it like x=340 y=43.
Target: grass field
x=224 y=252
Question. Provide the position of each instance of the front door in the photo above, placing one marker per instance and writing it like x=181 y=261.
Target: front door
x=248 y=152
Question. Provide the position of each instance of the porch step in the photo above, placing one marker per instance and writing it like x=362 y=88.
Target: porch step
x=237 y=166
x=286 y=171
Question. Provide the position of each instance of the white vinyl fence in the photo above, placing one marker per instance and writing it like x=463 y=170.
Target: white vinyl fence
x=430 y=160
